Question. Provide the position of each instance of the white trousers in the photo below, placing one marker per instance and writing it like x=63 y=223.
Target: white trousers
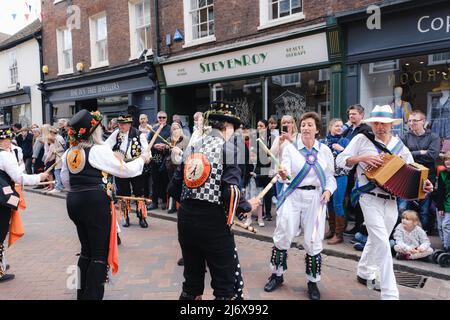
x=380 y=216
x=299 y=213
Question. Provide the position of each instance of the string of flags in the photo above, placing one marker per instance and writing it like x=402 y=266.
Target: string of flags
x=28 y=12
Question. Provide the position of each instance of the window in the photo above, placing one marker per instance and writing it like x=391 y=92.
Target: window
x=99 y=41
x=290 y=79
x=439 y=58
x=64 y=44
x=143 y=25
x=13 y=72
x=199 y=21
x=284 y=8
x=276 y=12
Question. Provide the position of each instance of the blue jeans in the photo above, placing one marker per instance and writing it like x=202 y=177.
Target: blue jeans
x=361 y=238
x=58 y=185
x=444 y=228
x=424 y=209
x=339 y=195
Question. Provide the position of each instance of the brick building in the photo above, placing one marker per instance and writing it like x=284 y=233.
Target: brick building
x=96 y=56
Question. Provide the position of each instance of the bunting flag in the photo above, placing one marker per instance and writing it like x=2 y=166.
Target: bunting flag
x=29 y=7
x=27 y=15
x=14 y=16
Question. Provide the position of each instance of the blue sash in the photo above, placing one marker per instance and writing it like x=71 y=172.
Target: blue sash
x=310 y=163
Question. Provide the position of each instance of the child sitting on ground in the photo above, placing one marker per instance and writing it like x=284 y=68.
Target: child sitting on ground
x=411 y=240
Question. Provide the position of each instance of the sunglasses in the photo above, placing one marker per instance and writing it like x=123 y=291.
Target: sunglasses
x=162 y=117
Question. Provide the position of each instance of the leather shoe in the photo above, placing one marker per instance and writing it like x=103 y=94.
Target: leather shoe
x=119 y=242
x=127 y=222
x=313 y=291
x=173 y=210
x=374 y=284
x=274 y=282
x=153 y=206
x=7 y=277
x=143 y=223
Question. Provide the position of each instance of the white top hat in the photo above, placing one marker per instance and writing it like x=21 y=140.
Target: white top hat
x=382 y=114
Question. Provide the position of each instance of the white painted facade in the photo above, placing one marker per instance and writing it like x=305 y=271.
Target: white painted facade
x=28 y=75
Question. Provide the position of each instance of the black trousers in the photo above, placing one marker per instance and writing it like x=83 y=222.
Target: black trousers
x=127 y=186
x=90 y=211
x=205 y=237
x=160 y=181
x=28 y=165
x=5 y=217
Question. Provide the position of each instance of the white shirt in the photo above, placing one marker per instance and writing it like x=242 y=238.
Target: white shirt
x=294 y=162
x=102 y=158
x=8 y=163
x=361 y=145
x=112 y=139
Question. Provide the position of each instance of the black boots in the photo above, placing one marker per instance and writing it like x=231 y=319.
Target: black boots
x=313 y=291
x=143 y=223
x=119 y=242
x=127 y=222
x=274 y=282
x=3 y=276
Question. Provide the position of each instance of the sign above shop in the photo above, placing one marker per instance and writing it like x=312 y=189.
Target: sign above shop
x=15 y=100
x=257 y=60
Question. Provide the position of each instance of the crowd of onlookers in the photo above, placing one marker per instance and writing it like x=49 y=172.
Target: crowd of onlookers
x=42 y=146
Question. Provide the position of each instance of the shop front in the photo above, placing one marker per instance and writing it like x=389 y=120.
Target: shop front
x=405 y=64
x=15 y=107
x=112 y=93
x=285 y=77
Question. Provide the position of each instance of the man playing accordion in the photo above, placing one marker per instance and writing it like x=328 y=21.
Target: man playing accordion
x=379 y=207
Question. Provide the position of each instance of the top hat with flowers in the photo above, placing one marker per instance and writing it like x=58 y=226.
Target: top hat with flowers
x=125 y=119
x=6 y=132
x=222 y=111
x=82 y=125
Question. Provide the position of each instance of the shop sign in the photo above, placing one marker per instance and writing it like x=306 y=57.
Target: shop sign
x=286 y=54
x=15 y=100
x=100 y=89
x=420 y=76
x=427 y=24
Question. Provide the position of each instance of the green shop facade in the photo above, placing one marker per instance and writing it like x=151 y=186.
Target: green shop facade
x=291 y=74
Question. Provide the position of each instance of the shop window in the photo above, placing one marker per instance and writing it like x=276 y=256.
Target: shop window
x=439 y=58
x=140 y=35
x=199 y=21
x=411 y=83
x=64 y=44
x=275 y=12
x=297 y=93
x=99 y=41
x=13 y=71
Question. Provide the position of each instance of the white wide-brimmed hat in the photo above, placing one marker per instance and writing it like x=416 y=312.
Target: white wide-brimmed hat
x=382 y=114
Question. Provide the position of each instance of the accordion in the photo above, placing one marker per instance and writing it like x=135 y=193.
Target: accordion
x=398 y=178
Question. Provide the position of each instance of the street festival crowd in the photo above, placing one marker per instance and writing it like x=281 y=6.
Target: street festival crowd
x=224 y=173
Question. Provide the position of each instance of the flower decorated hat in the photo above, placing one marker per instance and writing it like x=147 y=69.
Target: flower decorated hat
x=222 y=111
x=6 y=132
x=82 y=125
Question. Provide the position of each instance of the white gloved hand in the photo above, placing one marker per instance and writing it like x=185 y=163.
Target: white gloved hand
x=147 y=155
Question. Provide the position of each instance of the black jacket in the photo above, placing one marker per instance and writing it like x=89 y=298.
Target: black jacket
x=26 y=144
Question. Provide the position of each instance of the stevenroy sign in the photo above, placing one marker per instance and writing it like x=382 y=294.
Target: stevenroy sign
x=286 y=54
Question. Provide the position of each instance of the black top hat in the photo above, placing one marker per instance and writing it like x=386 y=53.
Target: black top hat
x=6 y=132
x=125 y=119
x=223 y=111
x=82 y=124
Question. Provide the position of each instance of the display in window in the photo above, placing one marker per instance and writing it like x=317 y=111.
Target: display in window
x=290 y=103
x=402 y=110
x=440 y=113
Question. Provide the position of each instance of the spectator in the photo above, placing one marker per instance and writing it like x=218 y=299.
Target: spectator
x=443 y=203
x=143 y=124
x=336 y=213
x=186 y=132
x=24 y=139
x=179 y=143
x=62 y=130
x=45 y=132
x=56 y=145
x=273 y=127
x=424 y=146
x=411 y=242
x=38 y=153
x=197 y=131
x=353 y=127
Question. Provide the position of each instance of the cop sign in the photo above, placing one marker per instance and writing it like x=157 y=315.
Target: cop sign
x=426 y=24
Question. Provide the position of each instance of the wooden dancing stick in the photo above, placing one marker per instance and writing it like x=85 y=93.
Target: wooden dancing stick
x=270 y=154
x=261 y=195
x=45 y=183
x=133 y=198
x=53 y=166
x=158 y=135
x=244 y=226
x=155 y=136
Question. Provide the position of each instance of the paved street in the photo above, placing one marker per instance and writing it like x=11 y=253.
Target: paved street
x=148 y=267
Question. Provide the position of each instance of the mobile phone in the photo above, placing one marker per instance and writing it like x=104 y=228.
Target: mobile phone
x=284 y=129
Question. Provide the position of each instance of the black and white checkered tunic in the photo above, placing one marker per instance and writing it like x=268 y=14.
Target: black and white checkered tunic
x=212 y=148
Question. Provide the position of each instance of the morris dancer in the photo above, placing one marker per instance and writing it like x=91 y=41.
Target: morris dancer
x=129 y=143
x=10 y=174
x=302 y=203
x=86 y=173
x=208 y=185
x=379 y=208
